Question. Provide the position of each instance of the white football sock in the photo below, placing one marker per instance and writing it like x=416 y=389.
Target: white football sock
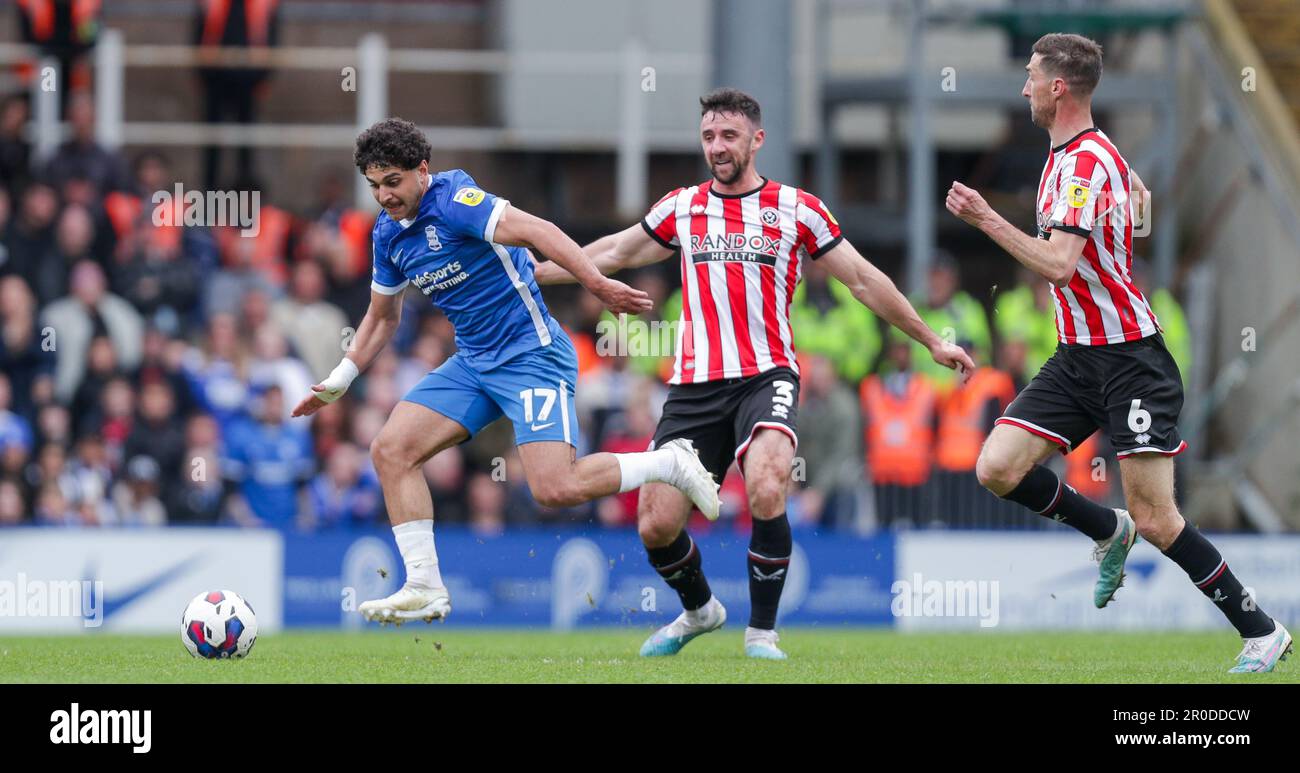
x=645 y=467
x=415 y=542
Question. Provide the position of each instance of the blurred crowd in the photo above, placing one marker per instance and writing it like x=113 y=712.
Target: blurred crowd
x=147 y=371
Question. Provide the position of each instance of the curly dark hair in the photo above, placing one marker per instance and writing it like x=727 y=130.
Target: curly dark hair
x=395 y=142
x=728 y=100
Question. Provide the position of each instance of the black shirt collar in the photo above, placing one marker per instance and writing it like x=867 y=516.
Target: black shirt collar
x=1070 y=141
x=761 y=186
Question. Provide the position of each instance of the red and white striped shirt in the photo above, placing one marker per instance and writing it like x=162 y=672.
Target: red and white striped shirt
x=1085 y=190
x=741 y=260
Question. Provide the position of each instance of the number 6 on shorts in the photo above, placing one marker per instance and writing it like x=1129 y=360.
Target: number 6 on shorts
x=1139 y=420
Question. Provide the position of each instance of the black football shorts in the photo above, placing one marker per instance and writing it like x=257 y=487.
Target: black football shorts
x=721 y=417
x=1131 y=390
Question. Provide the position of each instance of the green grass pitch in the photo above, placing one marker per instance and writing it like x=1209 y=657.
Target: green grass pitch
x=443 y=653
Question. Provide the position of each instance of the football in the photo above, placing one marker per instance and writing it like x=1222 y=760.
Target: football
x=219 y=624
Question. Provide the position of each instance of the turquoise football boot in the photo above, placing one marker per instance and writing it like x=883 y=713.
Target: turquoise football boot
x=1111 y=555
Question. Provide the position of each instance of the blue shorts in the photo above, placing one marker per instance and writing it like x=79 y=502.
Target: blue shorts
x=533 y=389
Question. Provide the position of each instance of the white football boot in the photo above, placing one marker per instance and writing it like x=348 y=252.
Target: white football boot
x=761 y=643
x=670 y=639
x=692 y=479
x=408 y=603
x=1262 y=653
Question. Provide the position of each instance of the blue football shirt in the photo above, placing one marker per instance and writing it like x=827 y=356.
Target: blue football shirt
x=447 y=250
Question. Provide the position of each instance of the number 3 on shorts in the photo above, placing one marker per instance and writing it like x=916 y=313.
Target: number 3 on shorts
x=1139 y=420
x=783 y=399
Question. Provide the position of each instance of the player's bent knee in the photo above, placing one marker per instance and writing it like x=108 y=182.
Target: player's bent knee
x=767 y=498
x=656 y=532
x=1150 y=530
x=546 y=498
x=384 y=455
x=392 y=455
x=556 y=493
x=1157 y=522
x=998 y=472
x=1163 y=531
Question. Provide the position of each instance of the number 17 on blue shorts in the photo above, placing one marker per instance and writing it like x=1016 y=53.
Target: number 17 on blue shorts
x=534 y=390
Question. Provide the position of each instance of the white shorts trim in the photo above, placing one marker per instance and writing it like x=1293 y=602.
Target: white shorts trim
x=740 y=451
x=1182 y=446
x=1031 y=427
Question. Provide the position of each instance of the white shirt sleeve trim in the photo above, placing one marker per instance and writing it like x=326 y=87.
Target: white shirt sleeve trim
x=386 y=290
x=490 y=231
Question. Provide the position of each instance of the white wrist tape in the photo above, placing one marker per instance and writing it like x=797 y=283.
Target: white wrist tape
x=338 y=381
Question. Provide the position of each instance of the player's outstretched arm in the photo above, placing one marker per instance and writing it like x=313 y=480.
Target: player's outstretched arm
x=373 y=334
x=875 y=290
x=1053 y=259
x=629 y=248
x=520 y=229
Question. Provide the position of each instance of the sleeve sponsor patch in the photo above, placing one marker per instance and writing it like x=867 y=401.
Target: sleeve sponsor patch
x=470 y=197
x=1077 y=191
x=826 y=210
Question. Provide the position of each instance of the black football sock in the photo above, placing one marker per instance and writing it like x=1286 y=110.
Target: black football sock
x=1209 y=572
x=682 y=568
x=1045 y=494
x=769 y=559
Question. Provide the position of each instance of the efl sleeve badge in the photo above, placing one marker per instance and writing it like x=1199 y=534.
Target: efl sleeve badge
x=470 y=197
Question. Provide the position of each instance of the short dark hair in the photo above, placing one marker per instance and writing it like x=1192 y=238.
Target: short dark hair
x=729 y=100
x=1072 y=57
x=394 y=142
